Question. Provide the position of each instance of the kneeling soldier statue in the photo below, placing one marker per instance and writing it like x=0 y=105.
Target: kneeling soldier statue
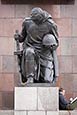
x=38 y=60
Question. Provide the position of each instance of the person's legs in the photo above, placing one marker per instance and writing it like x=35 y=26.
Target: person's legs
x=28 y=65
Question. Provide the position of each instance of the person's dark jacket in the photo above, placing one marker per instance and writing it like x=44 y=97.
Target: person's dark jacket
x=62 y=102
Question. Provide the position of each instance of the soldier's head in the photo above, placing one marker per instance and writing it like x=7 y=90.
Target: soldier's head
x=37 y=14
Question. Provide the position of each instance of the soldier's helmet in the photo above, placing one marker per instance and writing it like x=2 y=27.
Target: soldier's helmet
x=37 y=14
x=49 y=40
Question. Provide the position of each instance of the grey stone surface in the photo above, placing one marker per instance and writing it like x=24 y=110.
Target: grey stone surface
x=63 y=113
x=68 y=11
x=74 y=44
x=20 y=113
x=7 y=100
x=6 y=112
x=64 y=62
x=36 y=113
x=74 y=23
x=74 y=64
x=40 y=85
x=48 y=98
x=66 y=46
x=11 y=112
x=25 y=98
x=36 y=98
x=74 y=112
x=74 y=82
x=8 y=64
x=52 y=113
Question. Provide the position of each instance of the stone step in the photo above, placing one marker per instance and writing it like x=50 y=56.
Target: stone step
x=36 y=98
x=40 y=85
x=12 y=112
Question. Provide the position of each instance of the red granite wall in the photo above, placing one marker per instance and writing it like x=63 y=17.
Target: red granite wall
x=11 y=17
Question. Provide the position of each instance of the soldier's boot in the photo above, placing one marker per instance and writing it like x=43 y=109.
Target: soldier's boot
x=23 y=80
x=30 y=78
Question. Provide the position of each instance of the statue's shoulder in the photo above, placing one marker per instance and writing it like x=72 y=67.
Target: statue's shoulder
x=51 y=21
x=26 y=20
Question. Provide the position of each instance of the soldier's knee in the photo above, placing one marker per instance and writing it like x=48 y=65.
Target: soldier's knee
x=30 y=52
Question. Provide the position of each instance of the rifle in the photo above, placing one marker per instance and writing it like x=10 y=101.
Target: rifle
x=18 y=52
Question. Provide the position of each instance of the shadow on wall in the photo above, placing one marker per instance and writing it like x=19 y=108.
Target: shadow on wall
x=37 y=1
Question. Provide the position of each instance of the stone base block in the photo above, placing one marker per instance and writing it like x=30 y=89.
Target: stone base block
x=36 y=98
